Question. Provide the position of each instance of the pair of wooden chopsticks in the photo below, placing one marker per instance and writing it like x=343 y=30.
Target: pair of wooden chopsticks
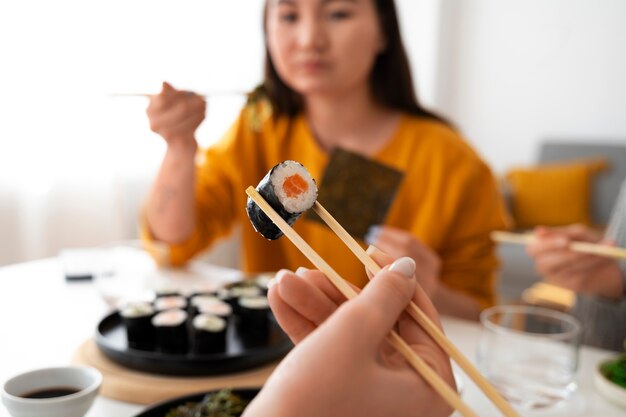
x=205 y=95
x=442 y=388
x=582 y=247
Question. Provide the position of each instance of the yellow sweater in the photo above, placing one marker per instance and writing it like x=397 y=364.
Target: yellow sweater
x=448 y=199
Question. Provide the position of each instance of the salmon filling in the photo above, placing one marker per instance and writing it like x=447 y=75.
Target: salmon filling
x=295 y=185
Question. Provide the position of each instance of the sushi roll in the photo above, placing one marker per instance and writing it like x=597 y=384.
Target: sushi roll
x=262 y=281
x=199 y=300
x=219 y=309
x=208 y=334
x=232 y=294
x=171 y=331
x=137 y=318
x=166 y=291
x=170 y=302
x=290 y=190
x=253 y=324
x=247 y=290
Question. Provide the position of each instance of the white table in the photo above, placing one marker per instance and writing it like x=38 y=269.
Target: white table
x=44 y=319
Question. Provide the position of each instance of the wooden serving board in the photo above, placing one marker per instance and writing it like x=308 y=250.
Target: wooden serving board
x=132 y=386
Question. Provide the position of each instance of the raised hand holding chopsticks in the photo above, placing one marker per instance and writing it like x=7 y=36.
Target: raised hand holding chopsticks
x=345 y=352
x=419 y=316
x=559 y=260
x=444 y=390
x=574 y=246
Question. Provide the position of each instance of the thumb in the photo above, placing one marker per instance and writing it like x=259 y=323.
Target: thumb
x=167 y=88
x=384 y=299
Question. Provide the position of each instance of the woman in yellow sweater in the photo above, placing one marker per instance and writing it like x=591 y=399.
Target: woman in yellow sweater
x=336 y=76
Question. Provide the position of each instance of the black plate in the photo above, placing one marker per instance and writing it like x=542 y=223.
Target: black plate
x=111 y=339
x=161 y=409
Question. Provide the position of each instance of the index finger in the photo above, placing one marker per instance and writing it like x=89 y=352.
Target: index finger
x=407 y=326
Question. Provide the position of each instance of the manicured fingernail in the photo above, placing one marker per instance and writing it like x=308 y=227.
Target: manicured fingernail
x=301 y=271
x=272 y=282
x=372 y=234
x=371 y=250
x=404 y=266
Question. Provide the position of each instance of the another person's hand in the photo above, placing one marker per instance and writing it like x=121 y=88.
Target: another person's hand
x=175 y=115
x=342 y=364
x=399 y=243
x=579 y=272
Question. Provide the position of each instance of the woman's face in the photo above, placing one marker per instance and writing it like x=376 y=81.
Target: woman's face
x=323 y=46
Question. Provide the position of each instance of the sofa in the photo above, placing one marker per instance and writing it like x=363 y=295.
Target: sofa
x=517 y=270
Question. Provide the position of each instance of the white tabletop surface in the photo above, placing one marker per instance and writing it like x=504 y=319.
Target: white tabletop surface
x=44 y=319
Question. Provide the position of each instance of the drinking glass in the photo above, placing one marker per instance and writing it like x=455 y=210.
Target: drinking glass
x=530 y=354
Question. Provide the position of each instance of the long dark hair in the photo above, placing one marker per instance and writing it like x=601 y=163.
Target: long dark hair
x=390 y=80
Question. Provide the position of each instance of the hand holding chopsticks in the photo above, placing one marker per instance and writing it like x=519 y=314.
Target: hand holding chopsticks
x=582 y=247
x=428 y=374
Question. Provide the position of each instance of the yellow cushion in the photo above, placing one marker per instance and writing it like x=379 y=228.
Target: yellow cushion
x=553 y=194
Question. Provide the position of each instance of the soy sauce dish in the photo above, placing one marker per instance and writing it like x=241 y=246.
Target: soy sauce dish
x=52 y=392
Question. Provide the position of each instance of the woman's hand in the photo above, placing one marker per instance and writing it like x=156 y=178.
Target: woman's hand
x=175 y=115
x=579 y=272
x=342 y=364
x=399 y=243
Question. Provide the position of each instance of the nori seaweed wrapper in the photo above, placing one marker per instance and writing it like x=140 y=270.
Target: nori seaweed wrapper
x=261 y=223
x=357 y=191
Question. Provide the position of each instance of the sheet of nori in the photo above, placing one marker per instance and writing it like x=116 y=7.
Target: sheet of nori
x=357 y=191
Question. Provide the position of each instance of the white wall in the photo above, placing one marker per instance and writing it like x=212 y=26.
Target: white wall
x=517 y=71
x=74 y=162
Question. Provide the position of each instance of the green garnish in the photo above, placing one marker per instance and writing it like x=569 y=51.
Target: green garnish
x=615 y=370
x=221 y=404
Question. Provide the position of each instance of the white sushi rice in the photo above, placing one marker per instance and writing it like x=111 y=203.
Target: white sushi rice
x=219 y=309
x=166 y=303
x=169 y=318
x=256 y=303
x=137 y=310
x=209 y=323
x=245 y=291
x=198 y=300
x=304 y=201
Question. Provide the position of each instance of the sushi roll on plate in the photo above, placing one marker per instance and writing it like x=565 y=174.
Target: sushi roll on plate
x=253 y=325
x=262 y=281
x=171 y=331
x=208 y=334
x=199 y=300
x=219 y=309
x=170 y=302
x=290 y=190
x=137 y=318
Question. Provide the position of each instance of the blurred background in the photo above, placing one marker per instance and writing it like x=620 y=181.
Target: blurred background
x=76 y=163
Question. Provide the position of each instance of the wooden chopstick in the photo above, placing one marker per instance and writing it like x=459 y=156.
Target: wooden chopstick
x=582 y=247
x=205 y=95
x=419 y=316
x=442 y=388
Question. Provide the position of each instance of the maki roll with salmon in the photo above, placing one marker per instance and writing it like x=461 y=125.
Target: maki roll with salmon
x=254 y=318
x=170 y=302
x=208 y=334
x=171 y=331
x=220 y=309
x=290 y=190
x=137 y=318
x=198 y=301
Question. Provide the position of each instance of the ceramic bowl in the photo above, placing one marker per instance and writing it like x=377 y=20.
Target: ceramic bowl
x=608 y=389
x=81 y=385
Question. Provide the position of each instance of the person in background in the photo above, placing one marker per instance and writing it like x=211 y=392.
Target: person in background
x=339 y=366
x=599 y=281
x=336 y=76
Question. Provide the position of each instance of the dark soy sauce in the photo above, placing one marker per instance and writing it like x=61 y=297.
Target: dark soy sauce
x=51 y=392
